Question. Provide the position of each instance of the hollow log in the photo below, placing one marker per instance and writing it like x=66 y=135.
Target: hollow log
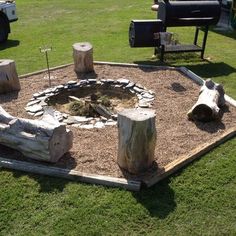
x=44 y=140
x=83 y=57
x=207 y=107
x=9 y=80
x=137 y=138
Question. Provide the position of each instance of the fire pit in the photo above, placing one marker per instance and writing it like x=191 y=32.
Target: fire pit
x=90 y=103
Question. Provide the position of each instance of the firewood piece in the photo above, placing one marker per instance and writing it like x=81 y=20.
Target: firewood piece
x=36 y=139
x=102 y=110
x=9 y=80
x=73 y=98
x=83 y=57
x=137 y=138
x=207 y=107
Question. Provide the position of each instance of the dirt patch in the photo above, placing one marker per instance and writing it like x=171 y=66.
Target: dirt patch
x=95 y=151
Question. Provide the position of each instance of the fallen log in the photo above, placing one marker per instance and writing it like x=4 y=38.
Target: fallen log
x=44 y=140
x=207 y=107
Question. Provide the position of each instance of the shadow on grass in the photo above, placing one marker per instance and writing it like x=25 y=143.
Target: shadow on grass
x=9 y=44
x=203 y=68
x=158 y=200
x=210 y=69
x=227 y=32
x=47 y=183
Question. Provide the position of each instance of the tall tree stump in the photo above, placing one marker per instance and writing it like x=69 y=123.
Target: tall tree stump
x=44 y=140
x=137 y=139
x=83 y=57
x=9 y=80
x=207 y=107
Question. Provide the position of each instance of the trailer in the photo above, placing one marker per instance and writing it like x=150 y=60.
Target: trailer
x=7 y=16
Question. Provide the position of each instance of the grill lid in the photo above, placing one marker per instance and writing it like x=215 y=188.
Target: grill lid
x=189 y=13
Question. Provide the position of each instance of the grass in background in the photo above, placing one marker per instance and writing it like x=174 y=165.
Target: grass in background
x=199 y=200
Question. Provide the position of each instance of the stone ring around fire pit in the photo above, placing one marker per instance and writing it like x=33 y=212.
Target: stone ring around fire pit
x=100 y=100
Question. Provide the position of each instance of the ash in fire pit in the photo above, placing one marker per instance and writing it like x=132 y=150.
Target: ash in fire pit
x=90 y=103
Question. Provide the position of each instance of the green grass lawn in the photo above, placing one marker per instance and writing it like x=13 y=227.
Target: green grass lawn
x=199 y=200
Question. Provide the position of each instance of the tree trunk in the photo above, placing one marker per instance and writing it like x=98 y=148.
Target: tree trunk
x=137 y=139
x=210 y=99
x=37 y=139
x=9 y=80
x=83 y=57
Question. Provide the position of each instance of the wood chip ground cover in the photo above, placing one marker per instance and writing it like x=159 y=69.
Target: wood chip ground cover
x=95 y=150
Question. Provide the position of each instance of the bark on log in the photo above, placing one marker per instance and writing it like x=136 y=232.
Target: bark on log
x=137 y=139
x=83 y=57
x=37 y=139
x=9 y=80
x=207 y=107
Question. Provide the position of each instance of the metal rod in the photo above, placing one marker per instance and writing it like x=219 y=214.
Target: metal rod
x=49 y=76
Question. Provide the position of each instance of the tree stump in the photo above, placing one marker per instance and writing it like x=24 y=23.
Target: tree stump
x=83 y=57
x=37 y=139
x=207 y=107
x=137 y=139
x=9 y=80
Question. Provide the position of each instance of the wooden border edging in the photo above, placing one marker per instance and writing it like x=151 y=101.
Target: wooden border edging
x=121 y=182
x=101 y=63
x=70 y=174
x=193 y=155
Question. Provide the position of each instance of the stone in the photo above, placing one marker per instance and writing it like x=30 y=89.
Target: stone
x=37 y=114
x=92 y=81
x=99 y=125
x=32 y=103
x=34 y=109
x=82 y=119
x=143 y=104
x=72 y=82
x=123 y=81
x=147 y=95
x=87 y=126
x=137 y=89
x=130 y=85
x=110 y=123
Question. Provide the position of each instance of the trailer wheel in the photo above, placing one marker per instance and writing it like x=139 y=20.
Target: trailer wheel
x=4 y=29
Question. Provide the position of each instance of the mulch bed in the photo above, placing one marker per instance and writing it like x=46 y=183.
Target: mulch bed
x=95 y=151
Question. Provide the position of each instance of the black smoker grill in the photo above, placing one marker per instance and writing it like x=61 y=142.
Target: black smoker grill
x=171 y=14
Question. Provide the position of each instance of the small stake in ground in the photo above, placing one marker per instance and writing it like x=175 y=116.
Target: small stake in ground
x=46 y=49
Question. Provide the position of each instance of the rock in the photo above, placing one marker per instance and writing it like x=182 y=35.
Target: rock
x=92 y=81
x=81 y=119
x=37 y=114
x=32 y=103
x=147 y=95
x=110 y=123
x=143 y=104
x=99 y=125
x=130 y=85
x=123 y=81
x=89 y=126
x=137 y=89
x=34 y=109
x=72 y=82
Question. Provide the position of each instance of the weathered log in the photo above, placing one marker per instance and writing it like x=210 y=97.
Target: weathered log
x=83 y=57
x=137 y=138
x=44 y=140
x=9 y=80
x=207 y=107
